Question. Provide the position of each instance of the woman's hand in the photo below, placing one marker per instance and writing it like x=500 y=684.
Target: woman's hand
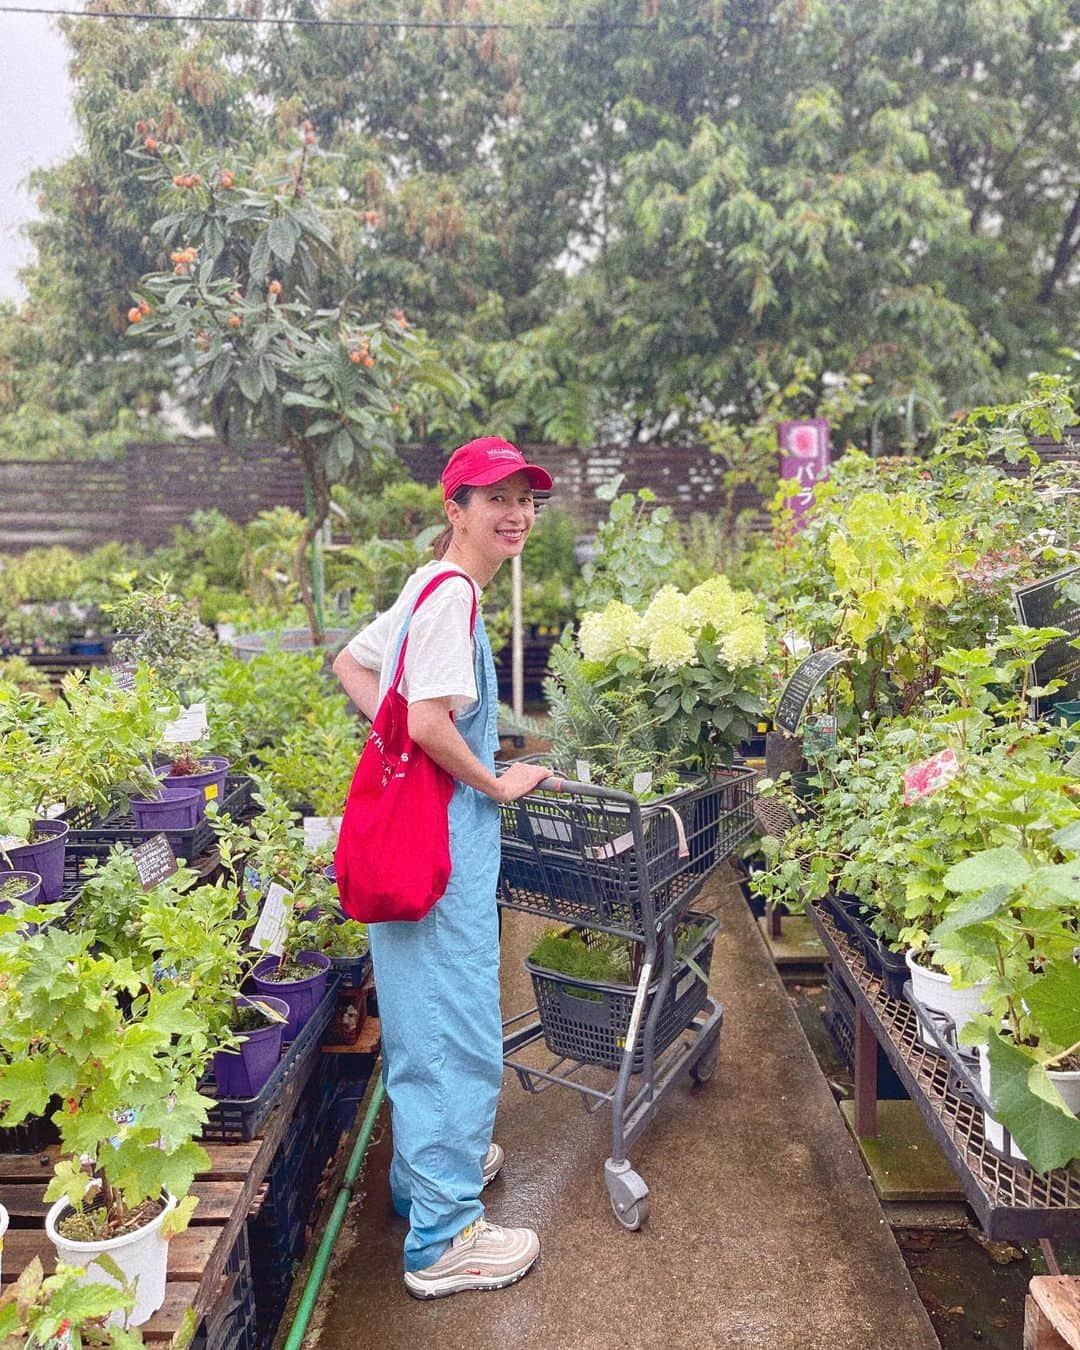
x=519 y=779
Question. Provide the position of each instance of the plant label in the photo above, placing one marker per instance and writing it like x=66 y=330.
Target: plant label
x=154 y=861
x=189 y=726
x=319 y=830
x=583 y=771
x=1046 y=604
x=642 y=783
x=123 y=677
x=269 y=934
x=800 y=688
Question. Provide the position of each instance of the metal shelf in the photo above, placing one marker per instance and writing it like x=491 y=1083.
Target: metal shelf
x=1010 y=1200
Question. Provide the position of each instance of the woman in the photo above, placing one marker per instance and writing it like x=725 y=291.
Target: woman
x=438 y=979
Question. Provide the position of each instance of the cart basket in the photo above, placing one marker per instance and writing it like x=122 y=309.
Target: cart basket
x=591 y=856
x=587 y=1020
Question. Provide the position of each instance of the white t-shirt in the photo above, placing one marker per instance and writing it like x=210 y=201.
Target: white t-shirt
x=439 y=657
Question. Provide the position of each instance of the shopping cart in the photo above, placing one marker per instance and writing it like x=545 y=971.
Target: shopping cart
x=609 y=867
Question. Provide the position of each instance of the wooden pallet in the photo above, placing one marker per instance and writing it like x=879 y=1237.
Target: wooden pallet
x=1052 y=1313
x=227 y=1192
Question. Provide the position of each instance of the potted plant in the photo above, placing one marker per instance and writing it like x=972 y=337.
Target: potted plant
x=1014 y=922
x=194 y=779
x=131 y=1108
x=270 y=849
x=18 y=888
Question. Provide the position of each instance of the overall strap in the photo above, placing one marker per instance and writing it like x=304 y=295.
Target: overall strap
x=431 y=585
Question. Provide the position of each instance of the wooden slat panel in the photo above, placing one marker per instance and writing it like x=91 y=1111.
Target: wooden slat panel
x=188 y=1252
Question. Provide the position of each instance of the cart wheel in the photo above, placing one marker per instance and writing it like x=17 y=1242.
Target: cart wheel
x=705 y=1067
x=633 y=1217
x=628 y=1194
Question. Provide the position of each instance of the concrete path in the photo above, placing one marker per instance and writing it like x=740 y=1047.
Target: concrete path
x=764 y=1231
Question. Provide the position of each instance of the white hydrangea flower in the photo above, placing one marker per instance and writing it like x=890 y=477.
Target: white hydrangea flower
x=672 y=647
x=609 y=632
x=715 y=602
x=745 y=644
x=669 y=607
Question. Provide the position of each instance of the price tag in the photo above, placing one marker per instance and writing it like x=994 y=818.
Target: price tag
x=642 y=783
x=269 y=934
x=583 y=771
x=319 y=830
x=189 y=726
x=210 y=791
x=154 y=861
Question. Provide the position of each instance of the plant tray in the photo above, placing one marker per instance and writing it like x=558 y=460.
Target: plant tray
x=1011 y=1201
x=95 y=836
x=240 y=1119
x=587 y=1020
x=599 y=861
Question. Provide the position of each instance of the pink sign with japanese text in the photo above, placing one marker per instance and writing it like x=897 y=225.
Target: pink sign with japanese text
x=804 y=457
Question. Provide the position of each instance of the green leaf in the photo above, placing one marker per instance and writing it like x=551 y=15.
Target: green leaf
x=994 y=866
x=1053 y=999
x=283 y=236
x=1068 y=837
x=1026 y=1102
x=984 y=906
x=24 y=1089
x=1061 y=881
x=250 y=382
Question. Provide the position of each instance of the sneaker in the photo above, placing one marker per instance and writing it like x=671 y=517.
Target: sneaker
x=482 y=1256
x=493 y=1163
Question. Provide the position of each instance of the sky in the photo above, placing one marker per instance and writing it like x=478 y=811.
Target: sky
x=36 y=127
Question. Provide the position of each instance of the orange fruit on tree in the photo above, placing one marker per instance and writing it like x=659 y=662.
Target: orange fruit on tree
x=235 y=321
x=275 y=287
x=134 y=314
x=150 y=144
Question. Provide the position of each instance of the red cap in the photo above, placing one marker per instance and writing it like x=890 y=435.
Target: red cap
x=489 y=460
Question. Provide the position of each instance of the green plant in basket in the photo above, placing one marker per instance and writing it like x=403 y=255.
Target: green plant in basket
x=675 y=687
x=62 y=1312
x=125 y=1060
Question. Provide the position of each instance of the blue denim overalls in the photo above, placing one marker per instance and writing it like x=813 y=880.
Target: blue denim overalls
x=438 y=987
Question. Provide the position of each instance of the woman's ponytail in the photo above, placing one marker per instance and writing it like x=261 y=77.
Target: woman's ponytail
x=442 y=543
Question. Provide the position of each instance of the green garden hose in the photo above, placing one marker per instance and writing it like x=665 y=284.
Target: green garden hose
x=333 y=1226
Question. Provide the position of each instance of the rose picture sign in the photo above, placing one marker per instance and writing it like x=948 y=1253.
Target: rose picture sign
x=804 y=458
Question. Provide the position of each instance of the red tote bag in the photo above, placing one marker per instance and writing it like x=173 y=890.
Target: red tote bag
x=393 y=852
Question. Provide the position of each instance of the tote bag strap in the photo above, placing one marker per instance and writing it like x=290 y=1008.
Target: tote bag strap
x=432 y=584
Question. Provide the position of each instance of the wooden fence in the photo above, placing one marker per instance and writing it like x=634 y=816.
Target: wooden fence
x=140 y=497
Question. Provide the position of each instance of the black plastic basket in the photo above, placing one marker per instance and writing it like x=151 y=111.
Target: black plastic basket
x=351 y=971
x=230 y=1323
x=93 y=836
x=237 y=1119
x=587 y=1020
x=591 y=859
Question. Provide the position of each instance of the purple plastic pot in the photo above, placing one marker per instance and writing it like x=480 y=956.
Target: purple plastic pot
x=302 y=996
x=45 y=856
x=31 y=888
x=168 y=810
x=211 y=781
x=241 y=1074
x=330 y=873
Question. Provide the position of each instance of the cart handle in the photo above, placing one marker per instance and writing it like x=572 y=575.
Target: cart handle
x=560 y=783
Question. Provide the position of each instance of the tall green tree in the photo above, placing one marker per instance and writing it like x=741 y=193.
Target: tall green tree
x=628 y=226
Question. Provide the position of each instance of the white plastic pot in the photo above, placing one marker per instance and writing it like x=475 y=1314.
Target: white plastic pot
x=3 y=1230
x=1067 y=1082
x=143 y=1256
x=935 y=991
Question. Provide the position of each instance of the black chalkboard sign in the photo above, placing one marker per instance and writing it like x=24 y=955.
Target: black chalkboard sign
x=123 y=676
x=154 y=861
x=800 y=688
x=1044 y=604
